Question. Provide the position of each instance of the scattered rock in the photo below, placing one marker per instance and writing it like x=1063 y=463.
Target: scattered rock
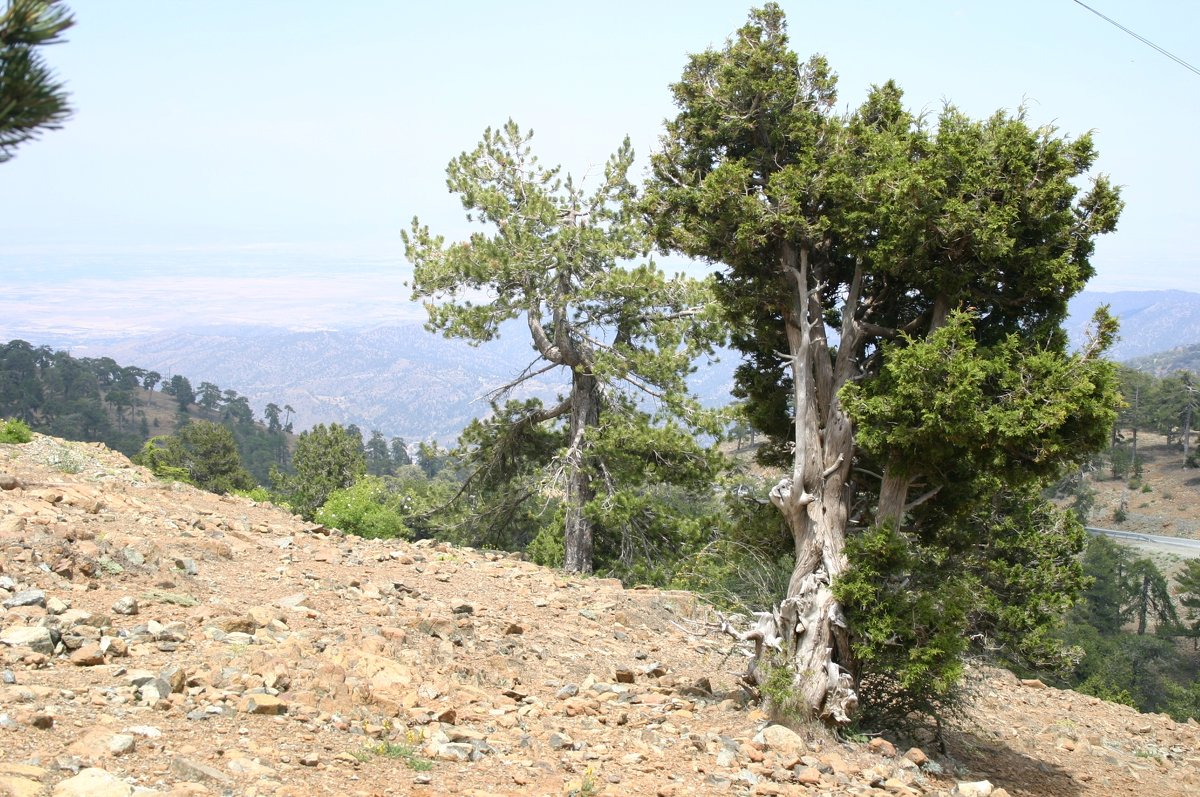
x=26 y=597
x=36 y=638
x=262 y=704
x=126 y=605
x=88 y=656
x=194 y=770
x=882 y=747
x=93 y=782
x=783 y=741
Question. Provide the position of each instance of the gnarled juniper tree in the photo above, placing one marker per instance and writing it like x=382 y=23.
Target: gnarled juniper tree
x=898 y=291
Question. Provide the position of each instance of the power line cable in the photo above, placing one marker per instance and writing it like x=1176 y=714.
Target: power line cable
x=1142 y=39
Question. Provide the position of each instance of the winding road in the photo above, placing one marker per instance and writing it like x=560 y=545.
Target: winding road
x=1179 y=546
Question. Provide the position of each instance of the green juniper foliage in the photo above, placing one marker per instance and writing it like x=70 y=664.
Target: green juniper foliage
x=897 y=287
x=201 y=453
x=327 y=458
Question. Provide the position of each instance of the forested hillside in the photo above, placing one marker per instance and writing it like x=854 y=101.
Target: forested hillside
x=398 y=378
x=1172 y=361
x=98 y=399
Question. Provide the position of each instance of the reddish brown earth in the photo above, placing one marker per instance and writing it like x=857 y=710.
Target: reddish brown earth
x=1167 y=502
x=268 y=656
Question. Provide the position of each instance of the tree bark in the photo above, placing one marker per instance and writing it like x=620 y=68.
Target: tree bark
x=1143 y=605
x=809 y=627
x=893 y=497
x=1187 y=430
x=585 y=413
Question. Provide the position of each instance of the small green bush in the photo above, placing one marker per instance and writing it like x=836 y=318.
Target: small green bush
x=778 y=689
x=1120 y=515
x=365 y=509
x=260 y=494
x=393 y=750
x=15 y=431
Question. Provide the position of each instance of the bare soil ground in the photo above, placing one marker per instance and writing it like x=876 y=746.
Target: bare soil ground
x=1166 y=502
x=156 y=639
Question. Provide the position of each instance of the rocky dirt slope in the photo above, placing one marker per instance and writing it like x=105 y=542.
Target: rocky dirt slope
x=1166 y=502
x=156 y=639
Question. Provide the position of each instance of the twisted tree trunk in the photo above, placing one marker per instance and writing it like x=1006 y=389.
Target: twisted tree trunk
x=809 y=627
x=585 y=413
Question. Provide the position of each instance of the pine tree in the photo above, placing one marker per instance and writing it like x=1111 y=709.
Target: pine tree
x=556 y=256
x=31 y=99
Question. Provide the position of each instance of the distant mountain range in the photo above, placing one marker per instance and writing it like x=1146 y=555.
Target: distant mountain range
x=408 y=382
x=1151 y=321
x=401 y=379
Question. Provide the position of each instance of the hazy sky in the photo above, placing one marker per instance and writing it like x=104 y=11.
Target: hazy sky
x=234 y=149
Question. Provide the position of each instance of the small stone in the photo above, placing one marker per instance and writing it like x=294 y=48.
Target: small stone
x=559 y=741
x=88 y=656
x=917 y=756
x=93 y=782
x=514 y=629
x=624 y=675
x=126 y=605
x=56 y=606
x=979 y=788
x=18 y=786
x=145 y=731
x=569 y=690
x=297 y=601
x=187 y=769
x=808 y=776
x=36 y=638
x=26 y=597
x=310 y=760
x=176 y=676
x=882 y=747
x=172 y=632
x=262 y=704
x=1031 y=683
x=9 y=482
x=42 y=721
x=114 y=646
x=454 y=751
x=784 y=742
x=121 y=743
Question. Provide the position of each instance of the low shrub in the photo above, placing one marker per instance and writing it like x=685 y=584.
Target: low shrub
x=15 y=431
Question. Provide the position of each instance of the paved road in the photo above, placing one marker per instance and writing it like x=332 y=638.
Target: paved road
x=1179 y=546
